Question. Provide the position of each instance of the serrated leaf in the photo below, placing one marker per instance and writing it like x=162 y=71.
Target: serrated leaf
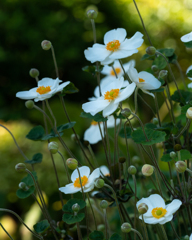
x=189 y=74
x=97 y=117
x=41 y=227
x=96 y=235
x=24 y=194
x=115 y=236
x=152 y=135
x=71 y=219
x=128 y=133
x=28 y=180
x=69 y=89
x=37 y=158
x=68 y=206
x=36 y=133
x=188 y=44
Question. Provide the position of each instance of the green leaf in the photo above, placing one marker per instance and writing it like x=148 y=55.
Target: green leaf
x=24 y=194
x=62 y=127
x=128 y=132
x=97 y=117
x=189 y=74
x=150 y=125
x=37 y=158
x=69 y=89
x=115 y=236
x=71 y=219
x=41 y=227
x=36 y=133
x=147 y=57
x=166 y=158
x=68 y=206
x=168 y=52
x=28 y=180
x=160 y=62
x=152 y=135
x=186 y=97
x=157 y=90
x=96 y=235
x=185 y=108
x=184 y=155
x=188 y=44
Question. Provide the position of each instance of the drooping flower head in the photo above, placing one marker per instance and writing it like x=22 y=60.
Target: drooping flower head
x=187 y=37
x=158 y=212
x=116 y=46
x=46 y=88
x=87 y=180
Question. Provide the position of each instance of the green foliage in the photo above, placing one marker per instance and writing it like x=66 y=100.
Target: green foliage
x=24 y=194
x=157 y=90
x=37 y=158
x=68 y=206
x=93 y=69
x=186 y=97
x=160 y=62
x=189 y=74
x=36 y=133
x=97 y=117
x=184 y=155
x=69 y=89
x=96 y=235
x=188 y=44
x=71 y=219
x=128 y=132
x=41 y=227
x=28 y=180
x=115 y=236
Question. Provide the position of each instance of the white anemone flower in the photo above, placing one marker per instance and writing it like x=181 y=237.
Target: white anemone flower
x=112 y=95
x=44 y=90
x=187 y=37
x=158 y=212
x=117 y=46
x=93 y=135
x=87 y=180
x=105 y=170
x=188 y=69
x=144 y=80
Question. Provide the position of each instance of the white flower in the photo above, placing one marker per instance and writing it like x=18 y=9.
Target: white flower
x=144 y=80
x=112 y=95
x=158 y=212
x=105 y=170
x=46 y=88
x=117 y=46
x=93 y=135
x=190 y=237
x=187 y=37
x=87 y=180
x=188 y=69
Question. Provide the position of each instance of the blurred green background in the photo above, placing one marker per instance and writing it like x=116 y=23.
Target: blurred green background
x=23 y=25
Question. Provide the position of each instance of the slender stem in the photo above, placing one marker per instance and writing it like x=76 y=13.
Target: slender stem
x=184 y=129
x=94 y=30
x=135 y=208
x=180 y=186
x=92 y=210
x=114 y=71
x=181 y=73
x=169 y=110
x=54 y=60
x=145 y=228
x=138 y=233
x=164 y=232
x=104 y=146
x=135 y=99
x=157 y=109
x=170 y=100
x=146 y=104
x=79 y=231
x=126 y=75
x=52 y=115
x=106 y=225
x=66 y=169
x=172 y=226
x=6 y=232
x=158 y=182
x=127 y=148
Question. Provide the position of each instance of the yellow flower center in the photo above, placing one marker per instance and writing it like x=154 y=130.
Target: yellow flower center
x=94 y=123
x=117 y=70
x=113 y=45
x=141 y=80
x=77 y=183
x=107 y=175
x=111 y=95
x=43 y=90
x=158 y=212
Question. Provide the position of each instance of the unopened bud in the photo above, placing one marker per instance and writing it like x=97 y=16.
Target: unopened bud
x=163 y=74
x=29 y=104
x=53 y=147
x=155 y=121
x=126 y=112
x=142 y=208
x=147 y=170
x=23 y=186
x=154 y=68
x=99 y=183
x=46 y=45
x=122 y=159
x=189 y=113
x=177 y=147
x=72 y=163
x=101 y=227
x=173 y=155
x=151 y=50
x=117 y=182
x=75 y=137
x=92 y=14
x=20 y=167
x=159 y=145
x=181 y=166
x=103 y=204
x=125 y=227
x=76 y=207
x=136 y=159
x=34 y=72
x=132 y=170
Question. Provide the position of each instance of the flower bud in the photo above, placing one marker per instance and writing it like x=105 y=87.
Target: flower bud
x=72 y=163
x=99 y=183
x=177 y=147
x=151 y=50
x=53 y=147
x=76 y=207
x=20 y=167
x=117 y=182
x=181 y=166
x=132 y=170
x=101 y=227
x=29 y=104
x=92 y=14
x=75 y=137
x=154 y=68
x=147 y=170
x=173 y=155
x=46 y=45
x=125 y=227
x=189 y=113
x=23 y=186
x=126 y=112
x=159 y=145
x=122 y=159
x=103 y=204
x=163 y=74
x=155 y=121
x=34 y=72
x=136 y=159
x=142 y=208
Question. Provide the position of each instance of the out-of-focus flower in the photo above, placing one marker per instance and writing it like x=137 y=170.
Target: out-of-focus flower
x=112 y=95
x=187 y=37
x=105 y=171
x=190 y=237
x=93 y=135
x=158 y=212
x=46 y=88
x=188 y=69
x=87 y=180
x=117 y=46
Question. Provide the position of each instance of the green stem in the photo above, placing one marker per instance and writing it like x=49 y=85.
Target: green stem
x=157 y=109
x=106 y=225
x=181 y=73
x=164 y=232
x=184 y=129
x=135 y=208
x=6 y=232
x=66 y=169
x=126 y=75
x=79 y=231
x=92 y=211
x=172 y=226
x=145 y=228
x=54 y=60
x=158 y=182
x=138 y=233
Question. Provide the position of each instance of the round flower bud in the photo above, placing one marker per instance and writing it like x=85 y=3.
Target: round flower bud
x=163 y=74
x=103 y=204
x=92 y=14
x=177 y=147
x=173 y=155
x=136 y=159
x=101 y=227
x=155 y=121
x=181 y=166
x=29 y=104
x=126 y=112
x=46 y=45
x=20 y=167
x=72 y=163
x=147 y=170
x=189 y=113
x=34 y=72
x=159 y=145
x=122 y=159
x=76 y=207
x=151 y=50
x=53 y=147
x=99 y=183
x=125 y=227
x=154 y=68
x=117 y=182
x=142 y=208
x=132 y=170
x=23 y=186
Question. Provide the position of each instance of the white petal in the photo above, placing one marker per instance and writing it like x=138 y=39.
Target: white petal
x=84 y=171
x=92 y=134
x=190 y=85
x=53 y=83
x=97 y=53
x=148 y=93
x=95 y=174
x=133 y=74
x=150 y=81
x=133 y=43
x=188 y=69
x=187 y=37
x=156 y=201
x=166 y=219
x=88 y=189
x=126 y=93
x=107 y=60
x=190 y=237
x=115 y=34
x=96 y=106
x=148 y=203
x=104 y=170
x=110 y=109
x=69 y=189
x=173 y=207
x=122 y=53
x=61 y=86
x=127 y=65
x=151 y=220
x=111 y=121
x=26 y=95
